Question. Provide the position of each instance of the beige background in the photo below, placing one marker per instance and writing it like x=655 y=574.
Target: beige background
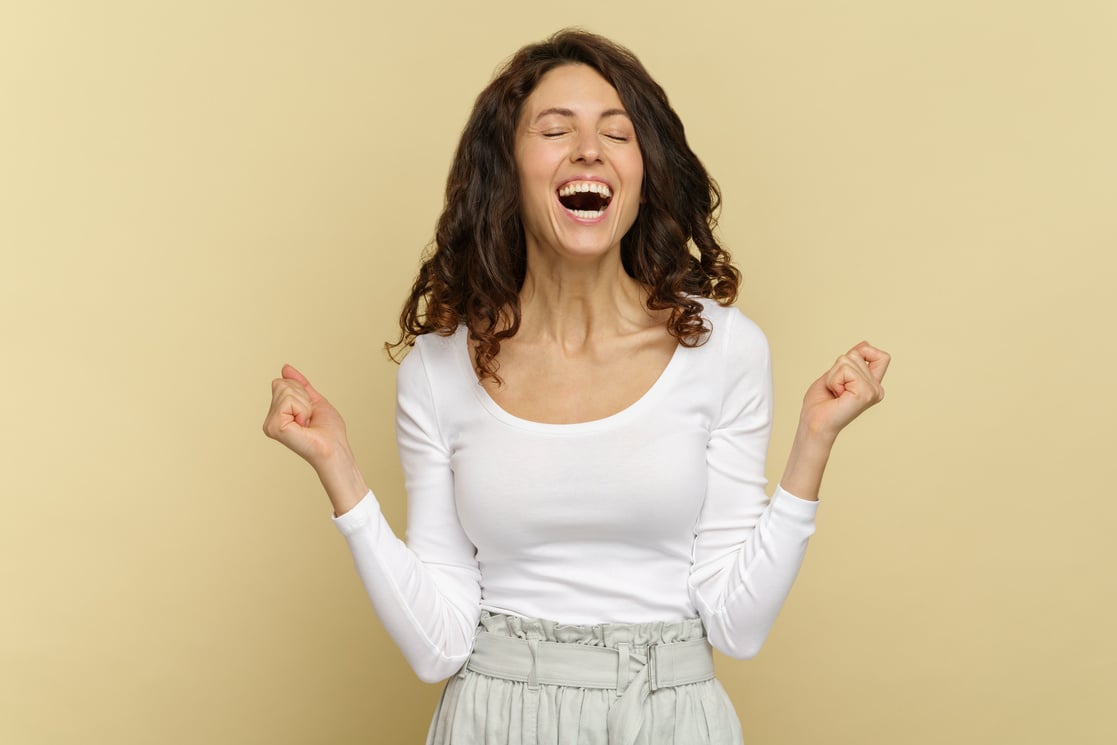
x=191 y=195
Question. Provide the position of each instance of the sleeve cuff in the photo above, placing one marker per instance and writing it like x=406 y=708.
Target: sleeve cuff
x=786 y=502
x=360 y=516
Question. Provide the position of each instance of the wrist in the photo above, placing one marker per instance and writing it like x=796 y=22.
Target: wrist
x=338 y=458
x=814 y=436
x=342 y=480
x=806 y=462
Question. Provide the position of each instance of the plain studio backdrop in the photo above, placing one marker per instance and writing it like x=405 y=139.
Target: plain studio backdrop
x=192 y=194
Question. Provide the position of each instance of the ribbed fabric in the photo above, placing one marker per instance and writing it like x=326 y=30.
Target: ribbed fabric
x=659 y=511
x=480 y=710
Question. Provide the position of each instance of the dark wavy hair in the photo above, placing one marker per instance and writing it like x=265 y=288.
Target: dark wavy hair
x=475 y=271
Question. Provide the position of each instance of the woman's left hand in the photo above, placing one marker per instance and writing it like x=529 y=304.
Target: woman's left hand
x=852 y=385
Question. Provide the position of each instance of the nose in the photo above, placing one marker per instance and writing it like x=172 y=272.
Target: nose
x=586 y=148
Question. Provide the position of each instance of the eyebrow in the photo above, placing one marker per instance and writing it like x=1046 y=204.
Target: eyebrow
x=570 y=113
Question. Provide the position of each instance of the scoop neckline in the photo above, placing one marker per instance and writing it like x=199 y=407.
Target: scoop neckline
x=498 y=412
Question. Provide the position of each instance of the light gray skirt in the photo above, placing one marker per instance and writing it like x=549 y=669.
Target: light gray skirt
x=523 y=685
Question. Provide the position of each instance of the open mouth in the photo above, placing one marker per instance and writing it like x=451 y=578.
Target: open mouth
x=586 y=199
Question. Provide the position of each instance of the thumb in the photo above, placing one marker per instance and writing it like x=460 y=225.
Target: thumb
x=290 y=373
x=876 y=359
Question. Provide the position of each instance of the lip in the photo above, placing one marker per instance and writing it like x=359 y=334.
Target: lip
x=570 y=214
x=595 y=179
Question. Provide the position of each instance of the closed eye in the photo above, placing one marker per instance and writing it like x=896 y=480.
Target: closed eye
x=617 y=138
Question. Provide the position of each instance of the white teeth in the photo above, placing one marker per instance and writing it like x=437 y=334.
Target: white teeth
x=576 y=187
x=587 y=214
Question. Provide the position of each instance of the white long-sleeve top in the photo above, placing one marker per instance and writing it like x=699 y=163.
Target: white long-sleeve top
x=656 y=513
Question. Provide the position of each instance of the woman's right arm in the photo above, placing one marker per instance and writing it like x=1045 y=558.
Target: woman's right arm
x=427 y=593
x=303 y=420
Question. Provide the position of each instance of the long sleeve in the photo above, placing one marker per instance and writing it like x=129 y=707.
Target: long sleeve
x=748 y=548
x=654 y=513
x=426 y=592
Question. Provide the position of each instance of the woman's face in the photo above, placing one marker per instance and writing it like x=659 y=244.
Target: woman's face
x=579 y=165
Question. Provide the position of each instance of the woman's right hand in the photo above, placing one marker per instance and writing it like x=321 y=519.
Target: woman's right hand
x=302 y=419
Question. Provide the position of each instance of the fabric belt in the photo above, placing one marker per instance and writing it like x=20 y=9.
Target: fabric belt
x=633 y=673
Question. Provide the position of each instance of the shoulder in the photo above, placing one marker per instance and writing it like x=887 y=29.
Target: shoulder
x=738 y=365
x=732 y=332
x=433 y=352
x=430 y=362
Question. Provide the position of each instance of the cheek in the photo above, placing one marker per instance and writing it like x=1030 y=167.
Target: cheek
x=534 y=157
x=635 y=176
x=638 y=168
x=632 y=171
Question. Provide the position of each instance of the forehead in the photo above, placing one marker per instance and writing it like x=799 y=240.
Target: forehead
x=577 y=88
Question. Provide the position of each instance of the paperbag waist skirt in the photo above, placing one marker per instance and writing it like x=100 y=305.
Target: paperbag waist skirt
x=536 y=682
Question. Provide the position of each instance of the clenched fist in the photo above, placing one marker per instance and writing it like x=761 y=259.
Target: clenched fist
x=843 y=393
x=847 y=389
x=302 y=419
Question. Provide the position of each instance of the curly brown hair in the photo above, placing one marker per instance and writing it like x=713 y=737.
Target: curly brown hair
x=475 y=271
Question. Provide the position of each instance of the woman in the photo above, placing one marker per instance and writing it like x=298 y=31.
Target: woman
x=583 y=422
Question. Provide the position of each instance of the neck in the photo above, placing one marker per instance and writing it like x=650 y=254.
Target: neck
x=575 y=304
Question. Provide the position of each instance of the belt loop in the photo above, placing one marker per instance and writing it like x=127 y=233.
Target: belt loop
x=532 y=676
x=653 y=666
x=622 y=666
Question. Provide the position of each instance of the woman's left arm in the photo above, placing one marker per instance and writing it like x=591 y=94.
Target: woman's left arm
x=847 y=389
x=748 y=548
